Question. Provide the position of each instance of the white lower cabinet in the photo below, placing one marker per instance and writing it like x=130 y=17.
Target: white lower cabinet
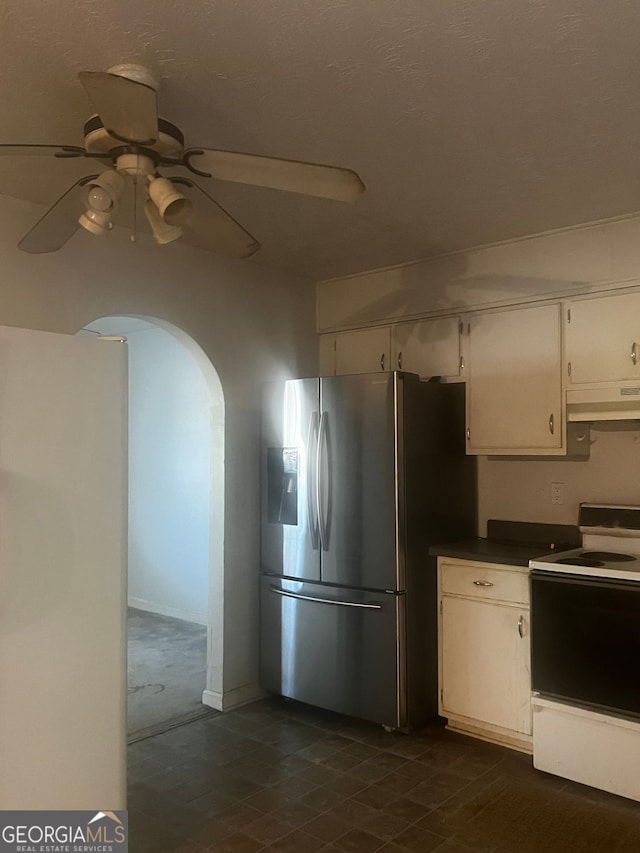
x=484 y=651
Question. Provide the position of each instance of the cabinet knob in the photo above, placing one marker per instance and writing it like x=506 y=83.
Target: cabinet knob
x=634 y=353
x=482 y=583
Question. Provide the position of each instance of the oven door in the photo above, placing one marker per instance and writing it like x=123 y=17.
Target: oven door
x=585 y=641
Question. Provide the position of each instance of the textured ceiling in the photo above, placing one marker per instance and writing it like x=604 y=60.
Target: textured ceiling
x=469 y=122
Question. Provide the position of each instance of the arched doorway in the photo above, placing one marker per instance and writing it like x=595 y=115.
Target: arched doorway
x=176 y=521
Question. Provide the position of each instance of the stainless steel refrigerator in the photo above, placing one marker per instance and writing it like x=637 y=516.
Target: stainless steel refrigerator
x=360 y=474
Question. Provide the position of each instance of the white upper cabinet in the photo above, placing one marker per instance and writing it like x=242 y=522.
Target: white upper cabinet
x=360 y=351
x=603 y=338
x=514 y=387
x=428 y=347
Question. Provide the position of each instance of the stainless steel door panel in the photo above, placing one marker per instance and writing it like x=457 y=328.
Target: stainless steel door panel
x=335 y=648
x=290 y=543
x=359 y=490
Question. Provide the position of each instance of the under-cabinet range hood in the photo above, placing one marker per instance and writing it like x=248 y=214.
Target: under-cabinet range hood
x=604 y=403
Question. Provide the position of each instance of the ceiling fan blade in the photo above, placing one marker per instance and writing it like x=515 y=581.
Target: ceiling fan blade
x=41 y=150
x=290 y=175
x=59 y=223
x=127 y=108
x=214 y=229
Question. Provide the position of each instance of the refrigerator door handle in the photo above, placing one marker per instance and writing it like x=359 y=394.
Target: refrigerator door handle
x=312 y=481
x=372 y=606
x=323 y=443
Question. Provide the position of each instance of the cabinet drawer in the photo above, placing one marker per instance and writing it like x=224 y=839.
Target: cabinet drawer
x=481 y=581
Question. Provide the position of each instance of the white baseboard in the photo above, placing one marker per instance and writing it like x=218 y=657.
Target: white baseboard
x=233 y=698
x=153 y=607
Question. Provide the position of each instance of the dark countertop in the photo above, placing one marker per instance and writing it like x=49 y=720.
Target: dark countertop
x=512 y=543
x=487 y=551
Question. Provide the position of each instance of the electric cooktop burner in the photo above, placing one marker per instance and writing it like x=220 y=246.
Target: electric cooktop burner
x=594 y=559
x=607 y=556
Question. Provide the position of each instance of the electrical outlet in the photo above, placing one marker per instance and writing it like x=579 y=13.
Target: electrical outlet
x=557 y=493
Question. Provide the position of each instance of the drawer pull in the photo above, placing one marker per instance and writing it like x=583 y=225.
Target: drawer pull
x=482 y=583
x=520 y=627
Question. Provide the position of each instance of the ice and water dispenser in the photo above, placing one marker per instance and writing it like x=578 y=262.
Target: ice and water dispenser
x=282 y=485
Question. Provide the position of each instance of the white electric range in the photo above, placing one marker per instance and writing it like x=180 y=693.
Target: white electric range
x=610 y=545
x=585 y=652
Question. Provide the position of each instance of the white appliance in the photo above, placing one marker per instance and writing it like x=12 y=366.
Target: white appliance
x=63 y=552
x=585 y=646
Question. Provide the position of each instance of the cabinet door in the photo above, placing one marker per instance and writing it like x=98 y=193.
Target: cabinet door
x=514 y=394
x=428 y=347
x=603 y=338
x=363 y=350
x=485 y=661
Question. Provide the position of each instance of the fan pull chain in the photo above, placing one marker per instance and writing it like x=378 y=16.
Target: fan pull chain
x=135 y=208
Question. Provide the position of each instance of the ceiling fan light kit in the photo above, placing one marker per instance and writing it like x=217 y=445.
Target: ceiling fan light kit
x=96 y=222
x=127 y=133
x=102 y=196
x=105 y=189
x=163 y=231
x=173 y=206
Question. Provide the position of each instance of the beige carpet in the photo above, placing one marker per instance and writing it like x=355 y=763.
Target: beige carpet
x=167 y=672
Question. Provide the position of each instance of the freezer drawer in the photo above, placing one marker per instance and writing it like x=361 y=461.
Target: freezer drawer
x=334 y=647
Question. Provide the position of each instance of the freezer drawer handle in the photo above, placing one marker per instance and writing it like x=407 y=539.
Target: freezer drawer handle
x=371 y=606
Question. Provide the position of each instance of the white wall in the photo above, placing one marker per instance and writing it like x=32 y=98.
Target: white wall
x=578 y=260
x=253 y=324
x=169 y=472
x=520 y=489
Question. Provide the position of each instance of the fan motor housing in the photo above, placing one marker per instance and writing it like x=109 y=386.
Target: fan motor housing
x=98 y=140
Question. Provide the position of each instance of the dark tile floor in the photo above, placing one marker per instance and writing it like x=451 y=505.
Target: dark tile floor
x=279 y=776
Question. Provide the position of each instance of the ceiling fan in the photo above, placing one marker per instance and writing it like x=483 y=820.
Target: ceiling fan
x=127 y=134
